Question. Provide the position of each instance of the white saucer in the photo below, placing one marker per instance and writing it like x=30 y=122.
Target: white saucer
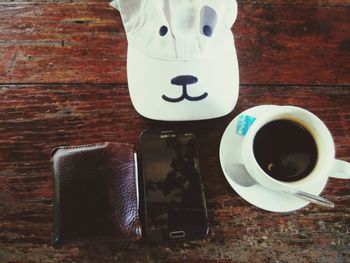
x=257 y=195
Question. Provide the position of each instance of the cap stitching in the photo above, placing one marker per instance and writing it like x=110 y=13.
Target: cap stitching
x=140 y=18
x=184 y=59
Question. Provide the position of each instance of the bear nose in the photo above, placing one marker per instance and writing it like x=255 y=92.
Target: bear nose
x=184 y=80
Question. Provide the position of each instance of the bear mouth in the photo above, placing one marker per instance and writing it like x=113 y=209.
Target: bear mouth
x=185 y=96
x=184 y=81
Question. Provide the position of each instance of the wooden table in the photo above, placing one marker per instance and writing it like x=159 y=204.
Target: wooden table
x=63 y=82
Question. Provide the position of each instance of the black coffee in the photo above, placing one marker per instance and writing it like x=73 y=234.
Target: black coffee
x=285 y=150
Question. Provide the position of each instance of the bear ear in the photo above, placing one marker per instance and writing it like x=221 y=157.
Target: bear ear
x=129 y=11
x=230 y=13
x=114 y=4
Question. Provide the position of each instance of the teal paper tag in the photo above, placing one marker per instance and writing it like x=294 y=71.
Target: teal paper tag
x=244 y=123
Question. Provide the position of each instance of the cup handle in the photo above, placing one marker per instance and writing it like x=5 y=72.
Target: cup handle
x=340 y=170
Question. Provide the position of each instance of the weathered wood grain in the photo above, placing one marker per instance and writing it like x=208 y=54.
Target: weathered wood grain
x=300 y=46
x=72 y=42
x=285 y=2
x=36 y=118
x=61 y=43
x=277 y=43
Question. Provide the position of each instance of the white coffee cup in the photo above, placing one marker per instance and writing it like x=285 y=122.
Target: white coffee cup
x=326 y=165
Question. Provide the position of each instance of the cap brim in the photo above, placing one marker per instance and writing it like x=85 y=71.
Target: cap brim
x=154 y=96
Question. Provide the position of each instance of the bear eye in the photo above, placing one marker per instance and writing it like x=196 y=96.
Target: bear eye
x=163 y=30
x=208 y=21
x=207 y=30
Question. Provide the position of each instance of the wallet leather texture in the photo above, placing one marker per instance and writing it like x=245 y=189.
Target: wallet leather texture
x=96 y=192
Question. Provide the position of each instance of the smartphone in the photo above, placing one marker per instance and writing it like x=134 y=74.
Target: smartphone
x=174 y=203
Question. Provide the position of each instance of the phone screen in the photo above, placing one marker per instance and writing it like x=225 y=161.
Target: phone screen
x=174 y=199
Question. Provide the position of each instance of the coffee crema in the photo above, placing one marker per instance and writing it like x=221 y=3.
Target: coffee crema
x=285 y=150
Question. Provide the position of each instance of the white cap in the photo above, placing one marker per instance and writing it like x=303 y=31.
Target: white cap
x=182 y=62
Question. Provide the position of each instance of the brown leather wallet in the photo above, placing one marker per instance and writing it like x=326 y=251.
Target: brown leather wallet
x=95 y=192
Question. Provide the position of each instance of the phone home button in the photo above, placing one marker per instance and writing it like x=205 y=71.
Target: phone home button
x=177 y=234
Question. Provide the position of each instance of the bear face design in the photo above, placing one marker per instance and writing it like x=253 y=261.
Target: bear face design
x=181 y=61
